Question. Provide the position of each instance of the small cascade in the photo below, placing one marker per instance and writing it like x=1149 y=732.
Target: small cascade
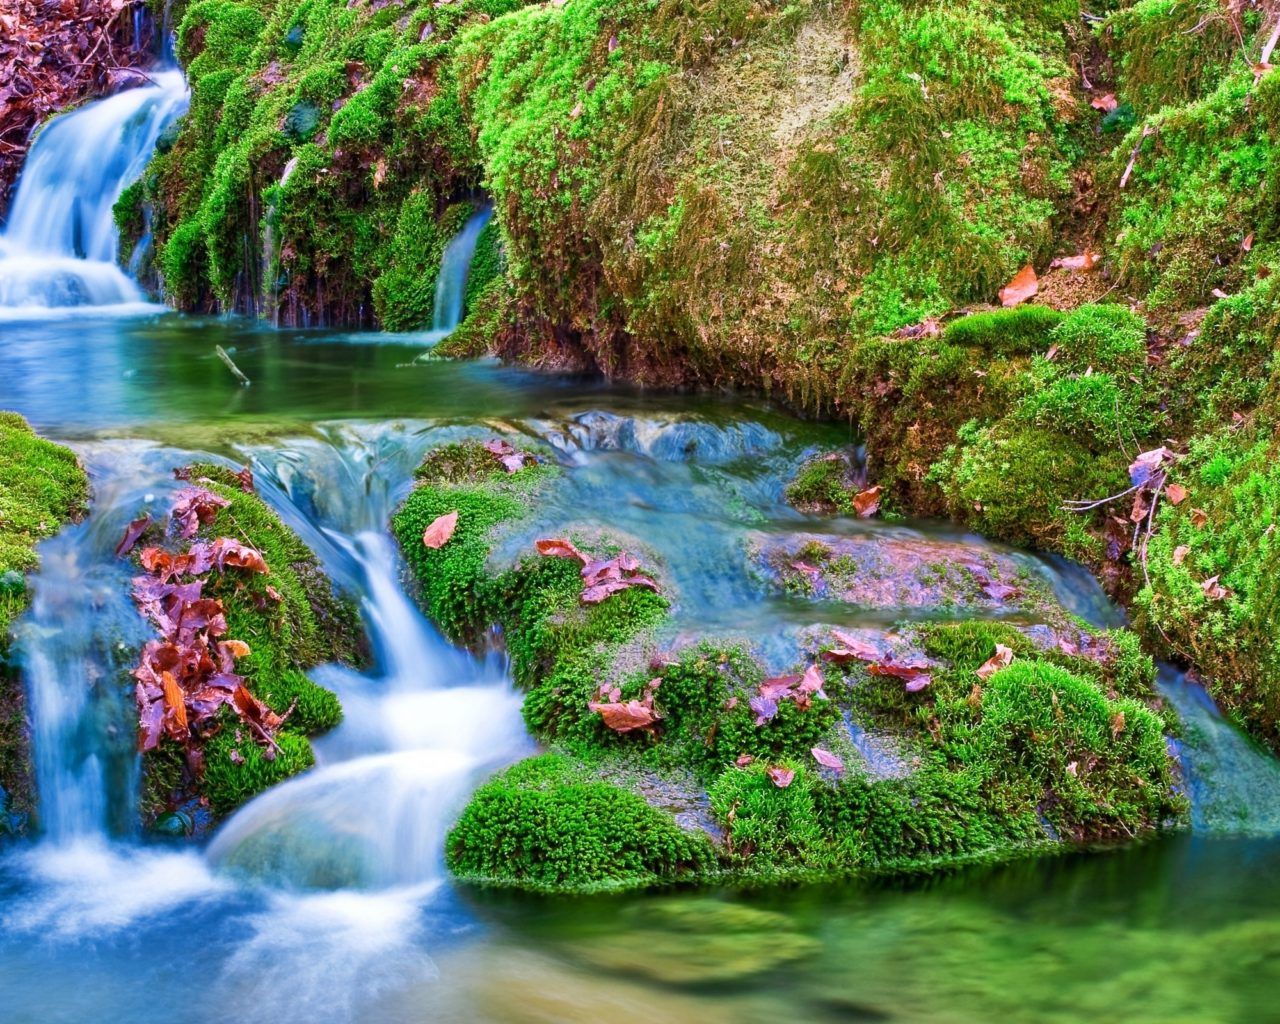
x=59 y=248
x=75 y=649
x=420 y=730
x=451 y=282
x=270 y=272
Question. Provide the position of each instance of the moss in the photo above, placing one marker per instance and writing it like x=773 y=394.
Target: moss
x=1022 y=330
x=42 y=487
x=292 y=621
x=766 y=824
x=824 y=484
x=547 y=825
x=1225 y=532
x=1105 y=338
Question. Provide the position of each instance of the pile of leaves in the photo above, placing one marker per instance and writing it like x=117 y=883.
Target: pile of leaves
x=629 y=715
x=187 y=675
x=601 y=577
x=54 y=54
x=801 y=690
x=913 y=671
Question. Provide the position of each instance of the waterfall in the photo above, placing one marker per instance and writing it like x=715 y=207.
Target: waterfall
x=59 y=248
x=451 y=282
x=420 y=730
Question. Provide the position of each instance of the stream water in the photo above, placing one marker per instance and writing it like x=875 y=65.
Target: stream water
x=325 y=899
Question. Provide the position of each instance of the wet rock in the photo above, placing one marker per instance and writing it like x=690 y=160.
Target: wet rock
x=891 y=569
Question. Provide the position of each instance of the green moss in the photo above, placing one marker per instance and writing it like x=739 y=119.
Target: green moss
x=547 y=825
x=1105 y=338
x=766 y=824
x=237 y=768
x=824 y=484
x=1022 y=330
x=1225 y=531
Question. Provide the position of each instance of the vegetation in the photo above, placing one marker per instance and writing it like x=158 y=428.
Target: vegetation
x=1053 y=748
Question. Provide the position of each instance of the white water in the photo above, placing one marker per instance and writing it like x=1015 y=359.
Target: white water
x=59 y=248
x=451 y=282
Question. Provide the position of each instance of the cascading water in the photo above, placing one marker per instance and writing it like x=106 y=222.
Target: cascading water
x=451 y=283
x=59 y=247
x=418 y=733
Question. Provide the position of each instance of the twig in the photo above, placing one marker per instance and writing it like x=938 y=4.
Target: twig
x=1084 y=505
x=1133 y=157
x=1272 y=40
x=230 y=365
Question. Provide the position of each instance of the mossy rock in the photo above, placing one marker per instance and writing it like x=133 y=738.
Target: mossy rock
x=292 y=621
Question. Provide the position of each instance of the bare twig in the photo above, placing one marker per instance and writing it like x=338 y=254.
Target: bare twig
x=230 y=365
x=1133 y=157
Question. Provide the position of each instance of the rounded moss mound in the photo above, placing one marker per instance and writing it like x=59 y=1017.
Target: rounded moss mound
x=547 y=825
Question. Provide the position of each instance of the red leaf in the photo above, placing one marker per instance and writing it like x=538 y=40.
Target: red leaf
x=1176 y=494
x=851 y=648
x=193 y=506
x=245 y=476
x=559 y=549
x=131 y=534
x=1105 y=103
x=226 y=551
x=1024 y=285
x=1084 y=261
x=827 y=759
x=781 y=776
x=441 y=529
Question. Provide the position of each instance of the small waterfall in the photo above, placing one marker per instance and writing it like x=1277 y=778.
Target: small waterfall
x=451 y=282
x=420 y=731
x=270 y=272
x=59 y=248
x=76 y=645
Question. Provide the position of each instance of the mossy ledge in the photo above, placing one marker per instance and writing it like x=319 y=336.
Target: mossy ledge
x=42 y=488
x=1057 y=749
x=292 y=620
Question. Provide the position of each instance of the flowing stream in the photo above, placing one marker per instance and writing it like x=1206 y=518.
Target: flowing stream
x=325 y=899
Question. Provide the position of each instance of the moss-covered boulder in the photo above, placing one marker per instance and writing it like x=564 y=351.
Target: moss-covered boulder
x=289 y=619
x=42 y=488
x=683 y=762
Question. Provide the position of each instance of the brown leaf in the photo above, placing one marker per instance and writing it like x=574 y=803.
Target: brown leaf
x=781 y=777
x=1214 y=590
x=626 y=716
x=1145 y=469
x=176 y=703
x=1176 y=494
x=1117 y=725
x=227 y=552
x=1001 y=659
x=1086 y=260
x=1024 y=285
x=1105 y=103
x=851 y=648
x=441 y=529
x=744 y=760
x=867 y=503
x=1247 y=243
x=245 y=476
x=193 y=506
x=1199 y=517
x=827 y=759
x=1180 y=553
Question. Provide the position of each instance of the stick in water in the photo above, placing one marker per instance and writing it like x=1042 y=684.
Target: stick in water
x=230 y=364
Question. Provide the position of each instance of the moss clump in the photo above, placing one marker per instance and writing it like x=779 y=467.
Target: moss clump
x=292 y=621
x=1020 y=331
x=825 y=484
x=547 y=825
x=42 y=487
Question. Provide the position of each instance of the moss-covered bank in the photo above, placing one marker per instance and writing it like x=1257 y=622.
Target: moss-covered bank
x=42 y=488
x=1061 y=746
x=291 y=620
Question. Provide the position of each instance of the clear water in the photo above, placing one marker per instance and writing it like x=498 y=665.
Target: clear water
x=325 y=900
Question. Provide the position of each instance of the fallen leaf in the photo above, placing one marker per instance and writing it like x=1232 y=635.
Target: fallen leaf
x=1176 y=494
x=867 y=503
x=1105 y=103
x=194 y=506
x=1199 y=517
x=1247 y=243
x=1213 y=590
x=766 y=709
x=1180 y=553
x=781 y=777
x=827 y=759
x=1001 y=659
x=1147 y=466
x=1083 y=261
x=560 y=549
x=627 y=716
x=851 y=648
x=1024 y=285
x=744 y=760
x=1117 y=724
x=131 y=534
x=245 y=476
x=176 y=704
x=441 y=529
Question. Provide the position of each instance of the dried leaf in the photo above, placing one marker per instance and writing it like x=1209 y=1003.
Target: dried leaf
x=827 y=759
x=176 y=704
x=1180 y=553
x=1147 y=466
x=245 y=476
x=627 y=716
x=782 y=777
x=1176 y=494
x=131 y=534
x=194 y=506
x=1199 y=517
x=560 y=549
x=437 y=534
x=1247 y=243
x=851 y=648
x=1086 y=260
x=766 y=709
x=1214 y=590
x=1001 y=659
x=1024 y=285
x=1117 y=725
x=1105 y=103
